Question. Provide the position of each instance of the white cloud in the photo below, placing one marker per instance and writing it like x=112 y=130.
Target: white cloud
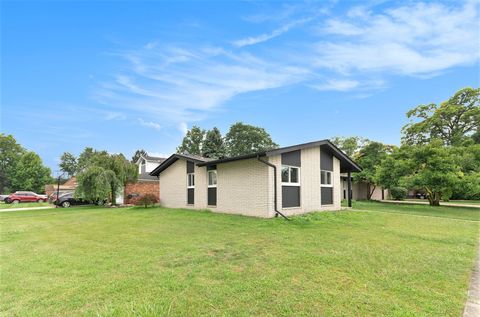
x=149 y=124
x=267 y=36
x=338 y=85
x=182 y=126
x=416 y=39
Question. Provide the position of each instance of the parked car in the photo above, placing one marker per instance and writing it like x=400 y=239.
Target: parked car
x=53 y=196
x=3 y=197
x=25 y=197
x=67 y=200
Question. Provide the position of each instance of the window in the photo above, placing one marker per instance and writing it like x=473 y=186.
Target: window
x=212 y=178
x=190 y=180
x=290 y=175
x=326 y=178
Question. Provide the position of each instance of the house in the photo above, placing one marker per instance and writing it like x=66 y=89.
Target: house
x=68 y=187
x=285 y=181
x=360 y=190
x=146 y=184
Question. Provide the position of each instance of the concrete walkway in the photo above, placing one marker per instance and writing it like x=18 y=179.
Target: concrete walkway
x=26 y=208
x=472 y=306
x=409 y=202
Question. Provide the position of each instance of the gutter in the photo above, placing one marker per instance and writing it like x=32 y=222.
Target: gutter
x=274 y=187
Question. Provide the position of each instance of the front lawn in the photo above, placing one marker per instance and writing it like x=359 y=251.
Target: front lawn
x=23 y=205
x=157 y=262
x=422 y=210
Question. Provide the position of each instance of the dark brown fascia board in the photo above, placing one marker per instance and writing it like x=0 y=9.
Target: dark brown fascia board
x=169 y=161
x=231 y=159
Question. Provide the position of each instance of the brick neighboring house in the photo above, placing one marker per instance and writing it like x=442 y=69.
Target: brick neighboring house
x=69 y=186
x=146 y=184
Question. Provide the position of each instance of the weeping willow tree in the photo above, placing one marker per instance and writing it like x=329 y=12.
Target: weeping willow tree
x=104 y=176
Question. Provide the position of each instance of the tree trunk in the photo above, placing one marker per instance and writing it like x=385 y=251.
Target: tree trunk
x=370 y=192
x=114 y=196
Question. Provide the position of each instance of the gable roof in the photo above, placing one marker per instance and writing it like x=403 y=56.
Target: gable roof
x=173 y=158
x=149 y=158
x=346 y=163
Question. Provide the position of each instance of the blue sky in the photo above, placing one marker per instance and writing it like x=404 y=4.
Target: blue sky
x=127 y=75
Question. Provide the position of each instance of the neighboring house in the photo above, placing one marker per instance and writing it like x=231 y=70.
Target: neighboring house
x=69 y=186
x=360 y=190
x=146 y=184
x=291 y=180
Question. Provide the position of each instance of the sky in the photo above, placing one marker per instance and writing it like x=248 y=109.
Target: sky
x=127 y=75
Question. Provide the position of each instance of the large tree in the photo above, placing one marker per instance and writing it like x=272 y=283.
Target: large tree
x=244 y=139
x=451 y=121
x=369 y=158
x=84 y=159
x=68 y=163
x=349 y=145
x=10 y=153
x=137 y=155
x=213 y=145
x=192 y=141
x=31 y=174
x=114 y=170
x=432 y=167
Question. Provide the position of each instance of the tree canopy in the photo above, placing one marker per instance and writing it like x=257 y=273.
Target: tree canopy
x=137 y=155
x=192 y=142
x=244 y=139
x=102 y=175
x=68 y=163
x=213 y=145
x=452 y=121
x=20 y=169
x=349 y=145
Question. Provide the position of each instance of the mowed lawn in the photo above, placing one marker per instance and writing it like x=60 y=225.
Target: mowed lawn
x=165 y=262
x=23 y=205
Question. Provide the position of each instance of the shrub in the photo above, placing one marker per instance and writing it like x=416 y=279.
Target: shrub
x=147 y=200
x=398 y=193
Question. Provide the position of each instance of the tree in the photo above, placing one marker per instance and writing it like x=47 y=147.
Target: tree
x=68 y=163
x=192 y=142
x=31 y=174
x=84 y=159
x=349 y=145
x=213 y=145
x=137 y=155
x=431 y=167
x=369 y=158
x=102 y=169
x=10 y=153
x=452 y=121
x=244 y=139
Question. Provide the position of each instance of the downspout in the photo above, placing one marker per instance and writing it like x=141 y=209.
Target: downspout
x=274 y=187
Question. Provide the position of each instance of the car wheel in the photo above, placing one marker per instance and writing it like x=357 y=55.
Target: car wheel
x=40 y=201
x=16 y=201
x=66 y=204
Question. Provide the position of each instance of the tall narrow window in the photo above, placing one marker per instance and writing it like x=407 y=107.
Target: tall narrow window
x=326 y=178
x=290 y=175
x=190 y=180
x=212 y=187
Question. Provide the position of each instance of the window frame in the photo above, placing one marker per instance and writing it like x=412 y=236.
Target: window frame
x=331 y=178
x=188 y=180
x=289 y=183
x=208 y=179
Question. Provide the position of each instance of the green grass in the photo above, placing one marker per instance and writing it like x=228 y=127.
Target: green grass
x=165 y=262
x=462 y=202
x=424 y=210
x=23 y=205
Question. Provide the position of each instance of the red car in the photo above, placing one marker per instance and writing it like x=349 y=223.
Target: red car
x=25 y=197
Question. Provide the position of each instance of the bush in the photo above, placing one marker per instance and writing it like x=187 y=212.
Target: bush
x=147 y=200
x=398 y=193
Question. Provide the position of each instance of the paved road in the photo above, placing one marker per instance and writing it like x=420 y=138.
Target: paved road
x=426 y=203
x=25 y=208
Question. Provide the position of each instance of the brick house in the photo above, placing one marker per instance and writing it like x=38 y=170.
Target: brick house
x=146 y=184
x=286 y=181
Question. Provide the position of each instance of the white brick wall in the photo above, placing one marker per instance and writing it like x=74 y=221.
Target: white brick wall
x=310 y=184
x=242 y=188
x=173 y=185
